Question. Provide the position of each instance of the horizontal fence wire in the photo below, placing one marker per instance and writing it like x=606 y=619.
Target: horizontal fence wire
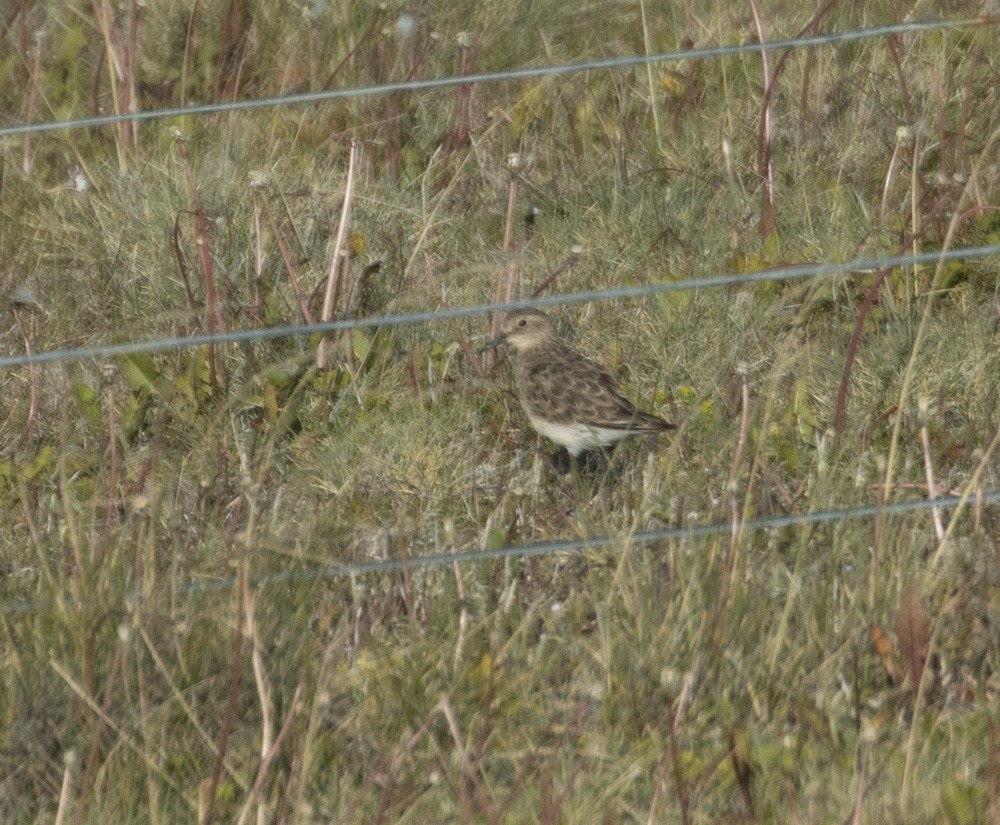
x=628 y=542
x=525 y=73
x=788 y=273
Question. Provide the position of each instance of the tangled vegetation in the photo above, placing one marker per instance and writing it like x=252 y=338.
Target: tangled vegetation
x=179 y=639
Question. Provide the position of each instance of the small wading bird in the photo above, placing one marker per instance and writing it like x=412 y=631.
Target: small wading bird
x=568 y=398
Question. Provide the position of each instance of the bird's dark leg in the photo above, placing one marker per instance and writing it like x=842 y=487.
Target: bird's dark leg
x=560 y=462
x=566 y=467
x=587 y=463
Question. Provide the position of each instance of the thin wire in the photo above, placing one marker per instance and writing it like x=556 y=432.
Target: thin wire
x=549 y=548
x=291 y=330
x=304 y=98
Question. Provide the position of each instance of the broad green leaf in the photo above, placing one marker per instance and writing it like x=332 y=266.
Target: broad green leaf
x=42 y=463
x=89 y=401
x=139 y=371
x=963 y=804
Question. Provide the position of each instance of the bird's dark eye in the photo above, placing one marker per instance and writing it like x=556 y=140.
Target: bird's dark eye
x=522 y=322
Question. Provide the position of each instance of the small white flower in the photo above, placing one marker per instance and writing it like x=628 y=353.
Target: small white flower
x=406 y=25
x=78 y=181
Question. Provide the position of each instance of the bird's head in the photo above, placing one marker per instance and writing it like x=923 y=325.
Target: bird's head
x=523 y=329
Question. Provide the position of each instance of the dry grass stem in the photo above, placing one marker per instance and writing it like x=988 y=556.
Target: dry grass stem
x=931 y=486
x=337 y=270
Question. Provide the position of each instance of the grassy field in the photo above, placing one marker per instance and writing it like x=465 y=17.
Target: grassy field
x=172 y=649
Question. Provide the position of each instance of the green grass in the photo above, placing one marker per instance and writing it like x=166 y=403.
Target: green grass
x=758 y=675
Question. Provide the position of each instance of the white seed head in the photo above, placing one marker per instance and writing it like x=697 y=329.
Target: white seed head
x=406 y=25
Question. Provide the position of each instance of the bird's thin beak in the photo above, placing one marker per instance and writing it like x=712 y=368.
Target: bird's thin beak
x=500 y=340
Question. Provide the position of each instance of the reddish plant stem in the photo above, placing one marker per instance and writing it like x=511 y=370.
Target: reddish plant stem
x=183 y=270
x=286 y=259
x=893 y=41
x=373 y=27
x=566 y=263
x=457 y=136
x=215 y=321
